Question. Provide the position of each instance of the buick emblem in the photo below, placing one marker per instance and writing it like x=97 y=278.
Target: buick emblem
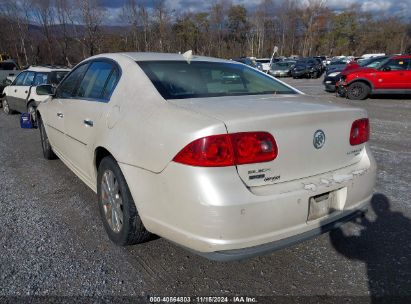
x=319 y=139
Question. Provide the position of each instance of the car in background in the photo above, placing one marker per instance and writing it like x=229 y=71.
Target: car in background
x=370 y=63
x=323 y=60
x=307 y=68
x=8 y=70
x=265 y=64
x=332 y=73
x=249 y=61
x=330 y=59
x=337 y=65
x=331 y=79
x=391 y=76
x=21 y=95
x=282 y=68
x=368 y=56
x=228 y=169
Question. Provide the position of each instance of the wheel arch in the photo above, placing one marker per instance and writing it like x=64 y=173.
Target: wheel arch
x=30 y=101
x=100 y=153
x=363 y=80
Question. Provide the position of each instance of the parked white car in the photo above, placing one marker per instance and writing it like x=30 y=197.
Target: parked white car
x=265 y=63
x=211 y=154
x=21 y=94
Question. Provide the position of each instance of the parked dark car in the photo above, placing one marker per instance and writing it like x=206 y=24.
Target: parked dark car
x=323 y=60
x=307 y=68
x=333 y=75
x=282 y=68
x=337 y=65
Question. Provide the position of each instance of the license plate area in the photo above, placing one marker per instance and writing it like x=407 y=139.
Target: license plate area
x=326 y=203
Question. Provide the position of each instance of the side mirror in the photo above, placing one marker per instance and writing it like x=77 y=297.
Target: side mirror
x=386 y=69
x=45 y=89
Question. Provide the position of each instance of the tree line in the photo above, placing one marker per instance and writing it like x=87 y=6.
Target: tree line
x=67 y=31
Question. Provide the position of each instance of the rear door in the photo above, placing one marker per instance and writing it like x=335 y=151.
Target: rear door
x=84 y=113
x=54 y=115
x=14 y=89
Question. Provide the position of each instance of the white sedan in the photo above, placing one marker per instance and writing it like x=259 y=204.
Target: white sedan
x=210 y=154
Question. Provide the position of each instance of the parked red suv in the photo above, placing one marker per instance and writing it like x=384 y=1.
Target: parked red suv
x=391 y=76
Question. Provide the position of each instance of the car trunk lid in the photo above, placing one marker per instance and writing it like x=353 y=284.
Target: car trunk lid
x=298 y=124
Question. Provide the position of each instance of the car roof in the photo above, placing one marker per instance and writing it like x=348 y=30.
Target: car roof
x=142 y=56
x=46 y=69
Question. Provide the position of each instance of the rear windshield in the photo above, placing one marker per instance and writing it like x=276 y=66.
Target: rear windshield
x=179 y=79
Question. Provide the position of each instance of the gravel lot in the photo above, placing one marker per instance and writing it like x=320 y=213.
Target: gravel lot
x=52 y=242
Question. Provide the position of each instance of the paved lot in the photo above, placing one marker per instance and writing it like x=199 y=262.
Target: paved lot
x=53 y=243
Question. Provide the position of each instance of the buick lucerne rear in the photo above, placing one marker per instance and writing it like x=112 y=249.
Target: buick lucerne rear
x=210 y=154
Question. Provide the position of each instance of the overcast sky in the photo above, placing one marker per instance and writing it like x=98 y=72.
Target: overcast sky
x=400 y=8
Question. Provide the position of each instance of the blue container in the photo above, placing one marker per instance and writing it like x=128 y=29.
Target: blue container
x=25 y=121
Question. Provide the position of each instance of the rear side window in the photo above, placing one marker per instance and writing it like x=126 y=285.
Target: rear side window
x=68 y=85
x=40 y=78
x=111 y=83
x=95 y=80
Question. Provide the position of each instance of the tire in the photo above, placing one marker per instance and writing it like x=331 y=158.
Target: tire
x=45 y=144
x=6 y=107
x=117 y=208
x=358 y=91
x=31 y=108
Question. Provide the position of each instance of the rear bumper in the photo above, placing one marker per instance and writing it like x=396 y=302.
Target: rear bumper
x=246 y=253
x=211 y=211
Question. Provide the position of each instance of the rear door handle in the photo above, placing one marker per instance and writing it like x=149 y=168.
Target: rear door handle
x=60 y=115
x=88 y=122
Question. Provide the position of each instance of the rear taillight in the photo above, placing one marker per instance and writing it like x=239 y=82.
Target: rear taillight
x=229 y=150
x=360 y=131
x=253 y=147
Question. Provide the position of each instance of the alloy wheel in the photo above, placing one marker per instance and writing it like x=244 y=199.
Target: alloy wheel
x=356 y=90
x=112 y=201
